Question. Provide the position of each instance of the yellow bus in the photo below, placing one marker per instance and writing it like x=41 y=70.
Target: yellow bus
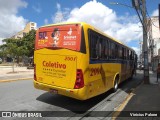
x=79 y=61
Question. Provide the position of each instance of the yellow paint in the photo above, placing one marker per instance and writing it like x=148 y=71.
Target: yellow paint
x=12 y=80
x=122 y=106
x=98 y=78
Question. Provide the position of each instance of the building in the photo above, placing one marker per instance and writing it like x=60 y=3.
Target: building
x=28 y=27
x=154 y=41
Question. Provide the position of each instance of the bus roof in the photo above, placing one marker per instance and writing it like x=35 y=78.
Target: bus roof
x=94 y=28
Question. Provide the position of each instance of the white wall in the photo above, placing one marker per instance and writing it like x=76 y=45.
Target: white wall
x=155 y=34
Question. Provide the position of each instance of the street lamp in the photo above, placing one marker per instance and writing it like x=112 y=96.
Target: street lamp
x=115 y=3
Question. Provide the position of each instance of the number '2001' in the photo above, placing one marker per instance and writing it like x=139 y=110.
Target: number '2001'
x=70 y=58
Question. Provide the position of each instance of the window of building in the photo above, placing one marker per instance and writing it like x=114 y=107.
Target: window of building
x=32 y=28
x=32 y=24
x=24 y=33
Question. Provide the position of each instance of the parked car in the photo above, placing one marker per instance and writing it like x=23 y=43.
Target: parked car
x=140 y=67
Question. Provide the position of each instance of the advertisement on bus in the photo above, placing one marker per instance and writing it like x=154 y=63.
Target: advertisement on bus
x=68 y=36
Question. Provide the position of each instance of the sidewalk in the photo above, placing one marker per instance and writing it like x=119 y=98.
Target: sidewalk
x=6 y=73
x=145 y=98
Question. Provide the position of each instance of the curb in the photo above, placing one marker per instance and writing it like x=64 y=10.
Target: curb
x=18 y=79
x=122 y=106
x=127 y=99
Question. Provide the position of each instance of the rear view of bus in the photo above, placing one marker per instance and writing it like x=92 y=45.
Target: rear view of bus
x=58 y=65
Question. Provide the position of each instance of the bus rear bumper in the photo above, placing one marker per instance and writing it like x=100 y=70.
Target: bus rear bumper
x=79 y=94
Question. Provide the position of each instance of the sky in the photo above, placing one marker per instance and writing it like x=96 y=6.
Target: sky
x=118 y=21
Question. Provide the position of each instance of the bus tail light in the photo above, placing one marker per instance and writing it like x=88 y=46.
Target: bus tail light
x=79 y=79
x=35 y=77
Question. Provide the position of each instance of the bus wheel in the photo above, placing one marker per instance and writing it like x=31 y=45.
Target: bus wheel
x=115 y=85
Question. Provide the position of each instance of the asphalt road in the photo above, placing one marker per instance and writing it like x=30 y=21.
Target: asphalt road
x=22 y=96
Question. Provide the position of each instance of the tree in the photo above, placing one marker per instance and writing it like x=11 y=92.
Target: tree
x=10 y=48
x=3 y=53
x=29 y=43
x=16 y=48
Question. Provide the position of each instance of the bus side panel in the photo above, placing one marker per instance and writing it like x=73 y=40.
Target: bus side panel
x=115 y=72
x=123 y=72
x=126 y=70
x=101 y=77
x=96 y=84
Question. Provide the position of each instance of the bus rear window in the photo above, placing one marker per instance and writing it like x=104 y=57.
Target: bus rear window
x=61 y=36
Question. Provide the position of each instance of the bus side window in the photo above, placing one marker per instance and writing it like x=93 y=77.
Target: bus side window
x=93 y=39
x=109 y=49
x=132 y=57
x=123 y=53
x=130 y=54
x=127 y=54
x=98 y=48
x=106 y=51
x=112 y=50
x=111 y=54
x=116 y=52
x=120 y=52
x=103 y=47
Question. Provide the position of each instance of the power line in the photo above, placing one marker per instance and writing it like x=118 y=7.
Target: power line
x=127 y=7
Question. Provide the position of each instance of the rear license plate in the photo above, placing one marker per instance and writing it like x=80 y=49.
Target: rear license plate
x=53 y=91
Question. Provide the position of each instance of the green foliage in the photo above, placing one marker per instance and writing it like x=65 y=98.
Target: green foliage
x=29 y=42
x=3 y=51
x=18 y=47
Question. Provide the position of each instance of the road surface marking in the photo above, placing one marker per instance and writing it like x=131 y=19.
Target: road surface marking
x=122 y=106
x=10 y=80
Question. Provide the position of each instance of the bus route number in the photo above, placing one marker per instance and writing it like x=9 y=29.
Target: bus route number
x=70 y=58
x=95 y=71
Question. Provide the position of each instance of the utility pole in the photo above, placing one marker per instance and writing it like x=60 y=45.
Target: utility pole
x=145 y=44
x=140 y=6
x=159 y=15
x=140 y=55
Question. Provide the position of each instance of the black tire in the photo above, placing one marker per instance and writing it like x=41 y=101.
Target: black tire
x=115 y=87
